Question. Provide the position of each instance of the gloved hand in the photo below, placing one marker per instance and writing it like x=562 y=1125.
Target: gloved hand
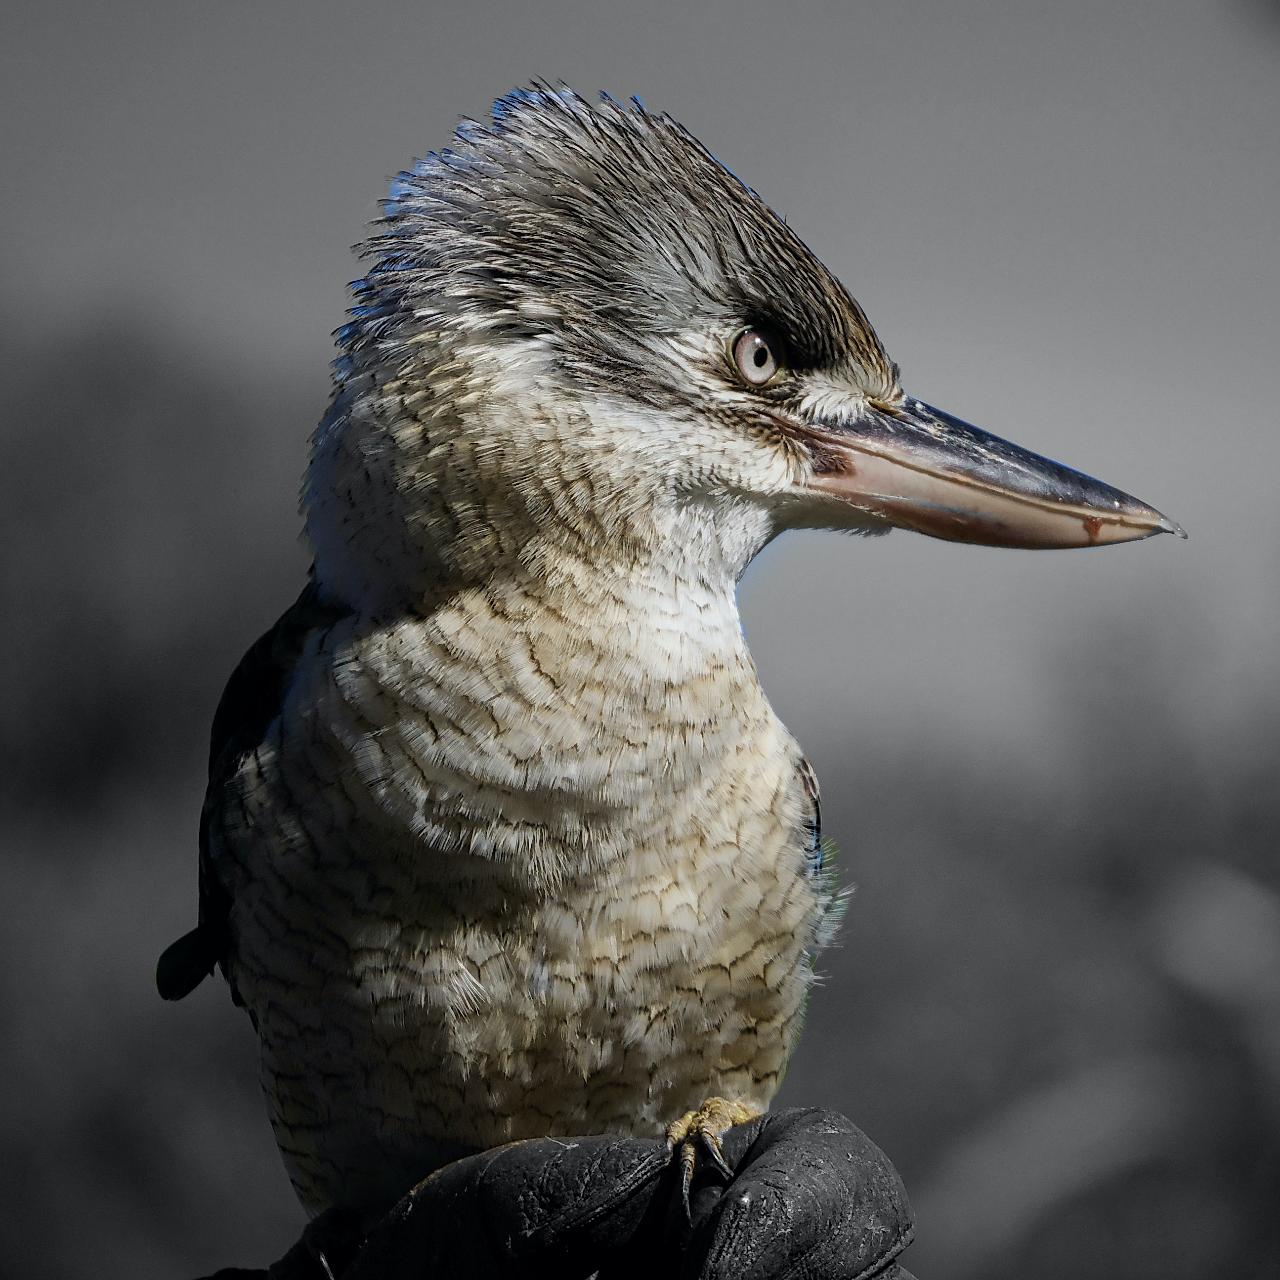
x=811 y=1198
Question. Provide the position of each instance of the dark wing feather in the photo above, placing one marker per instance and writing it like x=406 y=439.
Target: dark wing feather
x=814 y=854
x=250 y=702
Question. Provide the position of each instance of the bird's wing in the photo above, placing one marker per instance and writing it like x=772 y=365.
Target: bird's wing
x=814 y=855
x=249 y=704
x=819 y=859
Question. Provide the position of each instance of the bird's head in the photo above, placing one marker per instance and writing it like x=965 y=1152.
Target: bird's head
x=581 y=333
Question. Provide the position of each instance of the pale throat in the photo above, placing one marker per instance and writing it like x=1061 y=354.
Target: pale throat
x=664 y=609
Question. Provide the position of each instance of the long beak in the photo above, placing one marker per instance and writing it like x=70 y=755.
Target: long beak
x=919 y=468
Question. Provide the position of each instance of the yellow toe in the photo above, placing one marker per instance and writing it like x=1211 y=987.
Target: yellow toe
x=710 y=1122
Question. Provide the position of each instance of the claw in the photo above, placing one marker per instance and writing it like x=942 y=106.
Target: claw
x=329 y=1242
x=705 y=1127
x=715 y=1149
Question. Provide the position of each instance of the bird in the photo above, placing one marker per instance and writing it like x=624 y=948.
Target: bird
x=502 y=837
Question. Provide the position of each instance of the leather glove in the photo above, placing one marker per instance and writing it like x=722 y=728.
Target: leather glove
x=811 y=1198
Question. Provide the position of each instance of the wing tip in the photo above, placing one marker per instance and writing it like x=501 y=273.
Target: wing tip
x=185 y=964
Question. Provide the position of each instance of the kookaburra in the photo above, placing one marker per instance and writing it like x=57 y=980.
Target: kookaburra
x=502 y=837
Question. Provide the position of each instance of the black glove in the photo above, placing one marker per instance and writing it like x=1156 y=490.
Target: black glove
x=811 y=1198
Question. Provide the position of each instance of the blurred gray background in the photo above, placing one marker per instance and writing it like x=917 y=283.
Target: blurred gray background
x=1052 y=777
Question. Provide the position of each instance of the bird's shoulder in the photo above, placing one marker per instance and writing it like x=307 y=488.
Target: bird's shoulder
x=250 y=703
x=256 y=689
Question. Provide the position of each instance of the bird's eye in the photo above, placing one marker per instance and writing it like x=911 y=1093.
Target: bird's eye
x=758 y=356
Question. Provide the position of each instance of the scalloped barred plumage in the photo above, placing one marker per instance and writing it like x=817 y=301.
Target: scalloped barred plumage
x=502 y=837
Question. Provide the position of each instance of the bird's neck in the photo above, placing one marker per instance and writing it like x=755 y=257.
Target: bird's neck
x=581 y=505
x=634 y=624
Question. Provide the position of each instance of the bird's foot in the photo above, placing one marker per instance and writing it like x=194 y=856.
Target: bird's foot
x=704 y=1128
